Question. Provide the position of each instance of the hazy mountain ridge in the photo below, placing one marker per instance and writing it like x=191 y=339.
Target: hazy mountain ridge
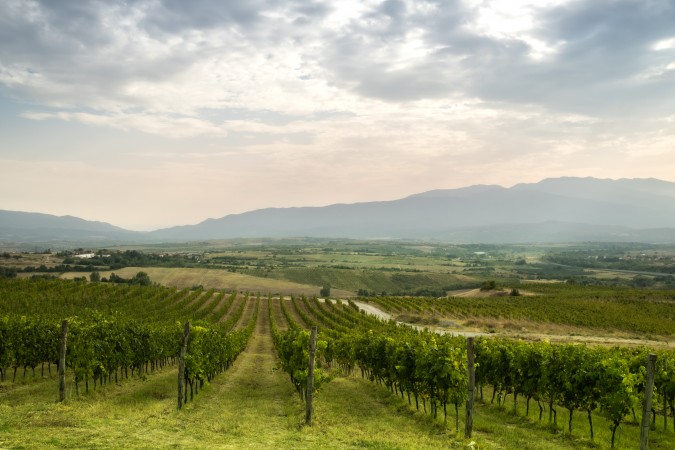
x=33 y=221
x=581 y=208
x=27 y=227
x=552 y=210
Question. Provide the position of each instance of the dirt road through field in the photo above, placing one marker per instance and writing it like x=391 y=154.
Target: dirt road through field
x=375 y=311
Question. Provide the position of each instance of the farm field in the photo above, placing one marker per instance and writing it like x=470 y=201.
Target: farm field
x=288 y=266
x=370 y=268
x=253 y=403
x=214 y=279
x=553 y=311
x=251 y=406
x=244 y=291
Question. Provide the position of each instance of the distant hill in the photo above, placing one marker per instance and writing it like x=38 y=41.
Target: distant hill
x=553 y=210
x=29 y=227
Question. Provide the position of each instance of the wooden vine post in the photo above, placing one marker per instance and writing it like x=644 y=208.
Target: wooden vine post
x=309 y=397
x=181 y=363
x=647 y=404
x=665 y=406
x=62 y=361
x=468 y=424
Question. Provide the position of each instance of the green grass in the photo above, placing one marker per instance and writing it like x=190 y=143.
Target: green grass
x=491 y=419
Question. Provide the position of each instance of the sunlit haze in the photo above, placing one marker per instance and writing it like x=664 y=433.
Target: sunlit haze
x=148 y=114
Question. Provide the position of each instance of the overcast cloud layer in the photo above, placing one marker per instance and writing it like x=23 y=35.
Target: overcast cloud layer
x=151 y=113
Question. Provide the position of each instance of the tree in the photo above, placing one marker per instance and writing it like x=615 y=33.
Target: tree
x=141 y=278
x=325 y=290
x=95 y=277
x=488 y=285
x=7 y=272
x=114 y=278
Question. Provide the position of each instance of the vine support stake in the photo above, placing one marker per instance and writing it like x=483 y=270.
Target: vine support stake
x=309 y=410
x=647 y=404
x=468 y=424
x=181 y=364
x=62 y=361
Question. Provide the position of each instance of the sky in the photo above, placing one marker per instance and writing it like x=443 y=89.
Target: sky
x=154 y=113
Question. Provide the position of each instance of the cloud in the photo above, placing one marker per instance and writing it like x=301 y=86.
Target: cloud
x=594 y=58
x=175 y=16
x=82 y=55
x=175 y=127
x=604 y=57
x=602 y=48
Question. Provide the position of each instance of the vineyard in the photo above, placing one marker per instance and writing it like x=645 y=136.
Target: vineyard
x=128 y=337
x=432 y=368
x=638 y=311
x=114 y=332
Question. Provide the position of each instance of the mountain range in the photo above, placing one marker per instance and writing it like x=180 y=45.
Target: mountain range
x=553 y=210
